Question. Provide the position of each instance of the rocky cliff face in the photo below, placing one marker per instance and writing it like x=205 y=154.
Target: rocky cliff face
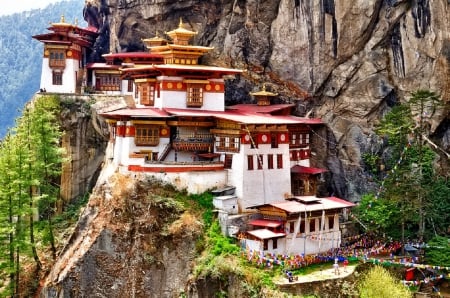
x=84 y=140
x=346 y=61
x=132 y=240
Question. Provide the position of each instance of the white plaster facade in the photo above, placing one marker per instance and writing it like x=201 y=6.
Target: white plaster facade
x=69 y=76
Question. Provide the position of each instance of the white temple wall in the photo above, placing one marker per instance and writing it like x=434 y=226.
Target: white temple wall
x=266 y=185
x=68 y=77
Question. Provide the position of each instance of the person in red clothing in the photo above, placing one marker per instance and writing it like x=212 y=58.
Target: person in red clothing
x=345 y=265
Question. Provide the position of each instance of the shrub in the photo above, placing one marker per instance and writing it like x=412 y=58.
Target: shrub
x=378 y=282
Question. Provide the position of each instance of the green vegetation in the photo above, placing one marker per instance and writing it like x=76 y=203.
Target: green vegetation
x=30 y=163
x=412 y=195
x=378 y=282
x=438 y=251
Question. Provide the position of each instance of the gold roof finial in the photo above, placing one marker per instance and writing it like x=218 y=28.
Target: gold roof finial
x=264 y=87
x=63 y=20
x=181 y=23
x=76 y=21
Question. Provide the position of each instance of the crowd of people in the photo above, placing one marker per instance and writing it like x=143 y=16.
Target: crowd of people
x=363 y=247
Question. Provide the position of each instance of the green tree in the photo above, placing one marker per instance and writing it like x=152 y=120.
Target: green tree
x=438 y=251
x=30 y=163
x=378 y=283
x=410 y=178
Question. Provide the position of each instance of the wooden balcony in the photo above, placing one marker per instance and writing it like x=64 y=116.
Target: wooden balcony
x=199 y=144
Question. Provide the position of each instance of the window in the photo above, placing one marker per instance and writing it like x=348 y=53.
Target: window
x=274 y=140
x=57 y=78
x=302 y=227
x=130 y=86
x=270 y=161
x=147 y=135
x=292 y=227
x=147 y=94
x=108 y=82
x=331 y=223
x=274 y=243
x=227 y=143
x=250 y=162
x=312 y=225
x=279 y=161
x=194 y=96
x=260 y=161
x=266 y=244
x=228 y=161
x=57 y=58
x=299 y=138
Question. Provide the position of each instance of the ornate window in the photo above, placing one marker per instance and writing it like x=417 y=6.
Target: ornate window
x=194 y=95
x=147 y=94
x=57 y=77
x=229 y=143
x=147 y=135
x=57 y=58
x=108 y=82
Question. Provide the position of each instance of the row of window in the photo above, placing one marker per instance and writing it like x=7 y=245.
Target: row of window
x=291 y=229
x=315 y=224
x=260 y=161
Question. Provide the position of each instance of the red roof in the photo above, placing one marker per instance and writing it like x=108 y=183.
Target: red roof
x=293 y=206
x=265 y=223
x=307 y=170
x=137 y=113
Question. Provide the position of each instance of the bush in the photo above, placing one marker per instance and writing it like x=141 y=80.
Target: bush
x=379 y=283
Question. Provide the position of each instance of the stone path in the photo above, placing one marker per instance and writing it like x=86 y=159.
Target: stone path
x=324 y=274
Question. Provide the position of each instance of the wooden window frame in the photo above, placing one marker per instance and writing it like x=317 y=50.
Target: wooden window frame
x=298 y=139
x=108 y=82
x=194 y=95
x=57 y=58
x=57 y=78
x=147 y=92
x=227 y=143
x=146 y=135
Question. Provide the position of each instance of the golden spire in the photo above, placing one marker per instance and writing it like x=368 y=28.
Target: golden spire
x=63 y=20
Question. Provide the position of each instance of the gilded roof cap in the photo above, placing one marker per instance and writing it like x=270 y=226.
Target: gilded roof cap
x=62 y=22
x=181 y=34
x=263 y=92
